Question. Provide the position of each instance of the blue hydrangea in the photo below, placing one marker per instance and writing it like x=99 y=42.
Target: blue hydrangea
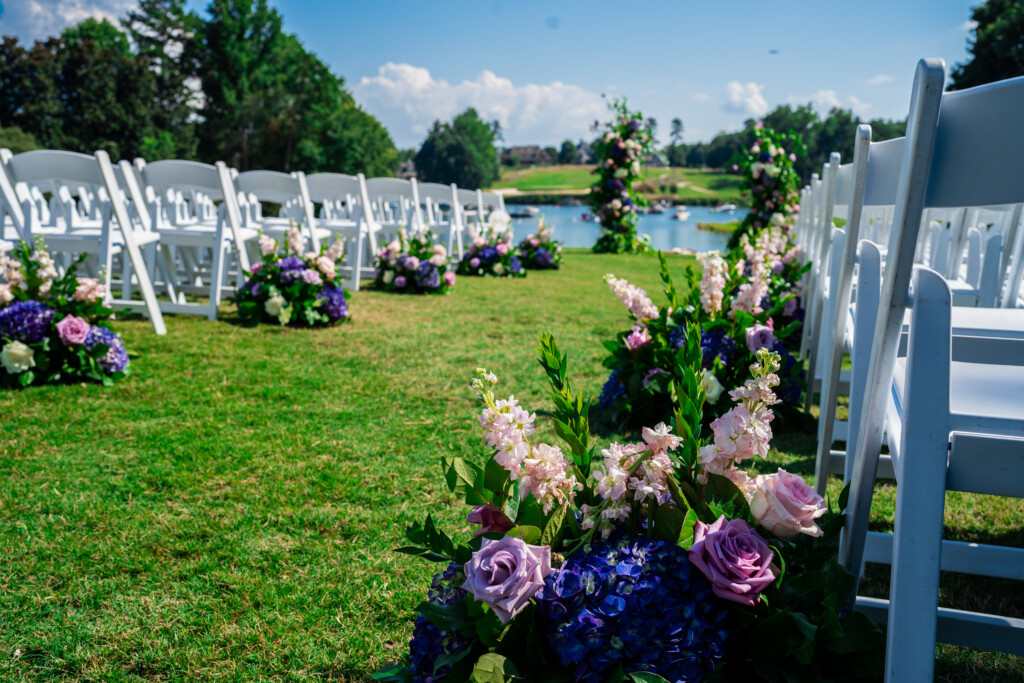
x=428 y=641
x=612 y=391
x=542 y=258
x=514 y=264
x=791 y=377
x=638 y=603
x=427 y=276
x=488 y=254
x=677 y=336
x=26 y=321
x=116 y=357
x=717 y=343
x=334 y=307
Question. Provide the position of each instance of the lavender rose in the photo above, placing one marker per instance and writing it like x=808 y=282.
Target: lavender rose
x=734 y=558
x=786 y=506
x=506 y=573
x=759 y=336
x=490 y=519
x=72 y=330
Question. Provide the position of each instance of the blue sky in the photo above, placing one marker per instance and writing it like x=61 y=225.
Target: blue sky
x=540 y=67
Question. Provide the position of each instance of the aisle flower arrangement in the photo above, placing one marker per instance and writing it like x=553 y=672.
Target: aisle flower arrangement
x=539 y=251
x=625 y=141
x=54 y=328
x=727 y=304
x=769 y=180
x=659 y=560
x=491 y=251
x=414 y=265
x=294 y=287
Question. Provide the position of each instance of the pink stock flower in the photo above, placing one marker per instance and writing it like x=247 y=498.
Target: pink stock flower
x=634 y=298
x=660 y=439
x=89 y=290
x=6 y=295
x=546 y=475
x=638 y=336
x=449 y=278
x=712 y=283
x=73 y=330
x=785 y=505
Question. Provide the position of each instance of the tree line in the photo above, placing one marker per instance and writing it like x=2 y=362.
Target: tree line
x=168 y=84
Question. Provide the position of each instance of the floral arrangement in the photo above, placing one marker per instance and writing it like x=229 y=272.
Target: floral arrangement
x=627 y=139
x=414 y=265
x=491 y=251
x=770 y=180
x=660 y=560
x=54 y=328
x=539 y=251
x=732 y=305
x=294 y=287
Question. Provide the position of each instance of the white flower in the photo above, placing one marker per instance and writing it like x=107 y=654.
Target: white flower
x=499 y=269
x=296 y=243
x=17 y=358
x=621 y=173
x=326 y=265
x=438 y=260
x=777 y=219
x=267 y=245
x=389 y=277
x=395 y=247
x=499 y=220
x=6 y=296
x=712 y=387
x=274 y=306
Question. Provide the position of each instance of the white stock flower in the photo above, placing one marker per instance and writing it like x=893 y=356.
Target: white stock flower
x=712 y=387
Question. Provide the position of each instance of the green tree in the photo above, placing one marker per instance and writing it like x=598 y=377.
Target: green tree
x=997 y=46
x=105 y=35
x=460 y=152
x=167 y=37
x=552 y=154
x=676 y=132
x=17 y=140
x=567 y=153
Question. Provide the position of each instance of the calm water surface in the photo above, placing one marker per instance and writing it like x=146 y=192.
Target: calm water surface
x=665 y=231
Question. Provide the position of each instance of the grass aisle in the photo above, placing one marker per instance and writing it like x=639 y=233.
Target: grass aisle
x=228 y=512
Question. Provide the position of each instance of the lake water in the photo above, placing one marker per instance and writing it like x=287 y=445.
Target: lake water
x=665 y=231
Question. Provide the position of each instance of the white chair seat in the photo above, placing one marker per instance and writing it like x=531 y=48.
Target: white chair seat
x=982 y=396
x=199 y=235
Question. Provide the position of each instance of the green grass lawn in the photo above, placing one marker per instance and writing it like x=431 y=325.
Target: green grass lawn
x=682 y=184
x=228 y=511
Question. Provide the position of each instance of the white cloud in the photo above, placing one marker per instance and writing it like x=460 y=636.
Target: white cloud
x=746 y=99
x=32 y=20
x=408 y=99
x=826 y=100
x=878 y=80
x=701 y=97
x=969 y=25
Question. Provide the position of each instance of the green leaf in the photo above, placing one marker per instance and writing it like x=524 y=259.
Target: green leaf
x=529 y=534
x=466 y=480
x=425 y=553
x=686 y=534
x=493 y=668
x=553 y=529
x=450 y=617
x=647 y=676
x=668 y=523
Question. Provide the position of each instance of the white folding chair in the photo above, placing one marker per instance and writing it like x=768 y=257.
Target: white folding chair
x=115 y=236
x=188 y=240
x=953 y=407
x=435 y=196
x=284 y=189
x=346 y=219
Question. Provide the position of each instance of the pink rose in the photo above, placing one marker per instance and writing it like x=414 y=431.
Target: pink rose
x=255 y=268
x=490 y=519
x=72 y=330
x=506 y=573
x=449 y=278
x=786 y=506
x=502 y=249
x=734 y=558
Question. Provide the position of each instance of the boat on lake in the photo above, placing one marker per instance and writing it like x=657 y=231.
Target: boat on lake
x=525 y=212
x=724 y=208
x=681 y=214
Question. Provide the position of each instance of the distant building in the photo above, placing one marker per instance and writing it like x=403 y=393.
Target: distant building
x=525 y=155
x=585 y=153
x=655 y=159
x=406 y=170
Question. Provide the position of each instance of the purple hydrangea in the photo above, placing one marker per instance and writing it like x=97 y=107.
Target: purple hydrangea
x=291 y=268
x=488 y=254
x=427 y=276
x=26 y=321
x=514 y=265
x=792 y=376
x=334 y=305
x=717 y=343
x=612 y=390
x=639 y=604
x=428 y=641
x=542 y=258
x=116 y=357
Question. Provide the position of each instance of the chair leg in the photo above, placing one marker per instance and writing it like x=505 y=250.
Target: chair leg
x=216 y=279
x=356 y=259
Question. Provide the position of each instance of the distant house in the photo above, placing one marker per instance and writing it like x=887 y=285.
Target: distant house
x=585 y=153
x=406 y=170
x=525 y=155
x=655 y=159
